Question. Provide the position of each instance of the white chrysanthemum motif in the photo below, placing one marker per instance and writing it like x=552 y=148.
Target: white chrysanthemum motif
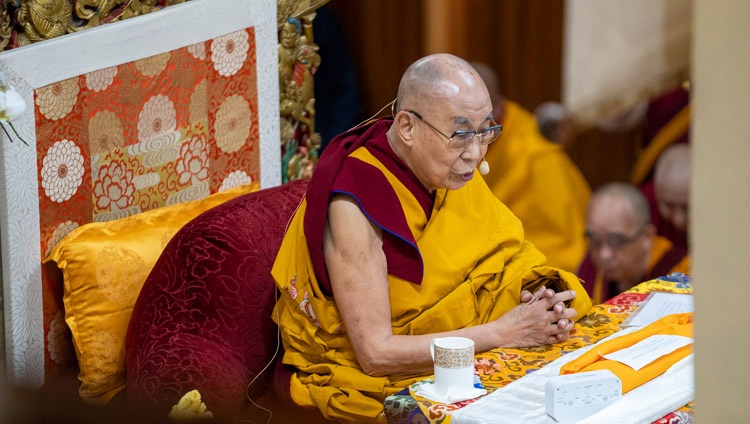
x=157 y=118
x=192 y=166
x=198 y=50
x=22 y=185
x=101 y=79
x=235 y=179
x=23 y=252
x=154 y=65
x=26 y=324
x=60 y=232
x=57 y=100
x=114 y=188
x=105 y=132
x=58 y=344
x=233 y=124
x=229 y=52
x=62 y=169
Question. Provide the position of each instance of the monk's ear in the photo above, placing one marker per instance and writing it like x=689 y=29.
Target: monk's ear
x=405 y=122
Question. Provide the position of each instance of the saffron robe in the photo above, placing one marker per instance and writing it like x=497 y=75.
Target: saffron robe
x=458 y=261
x=539 y=182
x=667 y=122
x=665 y=258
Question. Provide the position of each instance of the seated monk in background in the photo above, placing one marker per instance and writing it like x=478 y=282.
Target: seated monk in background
x=624 y=249
x=668 y=194
x=398 y=241
x=537 y=180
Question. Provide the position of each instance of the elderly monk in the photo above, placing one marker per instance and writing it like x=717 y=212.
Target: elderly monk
x=624 y=248
x=399 y=240
x=537 y=180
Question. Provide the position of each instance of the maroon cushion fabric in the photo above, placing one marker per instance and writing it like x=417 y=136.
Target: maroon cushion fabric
x=203 y=317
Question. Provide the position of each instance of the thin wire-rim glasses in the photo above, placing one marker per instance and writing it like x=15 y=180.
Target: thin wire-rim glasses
x=462 y=138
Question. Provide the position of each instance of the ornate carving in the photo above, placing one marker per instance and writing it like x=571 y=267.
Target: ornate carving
x=4 y=27
x=94 y=12
x=42 y=19
x=295 y=9
x=24 y=22
x=298 y=61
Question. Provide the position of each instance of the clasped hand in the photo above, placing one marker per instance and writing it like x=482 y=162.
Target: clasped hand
x=541 y=318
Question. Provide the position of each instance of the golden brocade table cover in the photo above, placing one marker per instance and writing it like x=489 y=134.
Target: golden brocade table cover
x=498 y=367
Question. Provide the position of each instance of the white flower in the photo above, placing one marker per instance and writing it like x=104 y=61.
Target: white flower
x=157 y=118
x=114 y=188
x=193 y=163
x=235 y=179
x=11 y=104
x=101 y=79
x=57 y=100
x=60 y=232
x=198 y=50
x=62 y=171
x=229 y=52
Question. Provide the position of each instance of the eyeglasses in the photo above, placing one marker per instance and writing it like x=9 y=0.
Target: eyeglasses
x=462 y=138
x=613 y=241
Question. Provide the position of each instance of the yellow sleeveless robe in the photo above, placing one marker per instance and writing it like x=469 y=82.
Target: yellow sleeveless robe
x=537 y=180
x=476 y=264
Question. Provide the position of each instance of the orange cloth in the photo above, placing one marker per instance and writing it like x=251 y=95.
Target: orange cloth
x=677 y=324
x=537 y=180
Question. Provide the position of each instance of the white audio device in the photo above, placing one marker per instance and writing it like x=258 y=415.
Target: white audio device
x=571 y=397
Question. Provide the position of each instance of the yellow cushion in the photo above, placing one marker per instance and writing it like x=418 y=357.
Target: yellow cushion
x=104 y=266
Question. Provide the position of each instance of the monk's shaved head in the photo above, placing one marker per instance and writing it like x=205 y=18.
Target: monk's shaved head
x=672 y=185
x=634 y=197
x=433 y=77
x=673 y=167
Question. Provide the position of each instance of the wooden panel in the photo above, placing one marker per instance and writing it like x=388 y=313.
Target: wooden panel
x=385 y=38
x=522 y=39
x=604 y=157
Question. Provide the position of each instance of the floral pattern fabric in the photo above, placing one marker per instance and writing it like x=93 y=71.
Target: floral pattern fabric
x=118 y=141
x=498 y=367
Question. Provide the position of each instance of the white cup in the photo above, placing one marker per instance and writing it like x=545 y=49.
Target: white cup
x=454 y=363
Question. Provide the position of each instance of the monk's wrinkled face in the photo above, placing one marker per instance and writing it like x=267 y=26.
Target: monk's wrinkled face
x=618 y=244
x=439 y=163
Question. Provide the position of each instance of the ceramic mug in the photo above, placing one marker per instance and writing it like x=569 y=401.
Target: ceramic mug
x=454 y=363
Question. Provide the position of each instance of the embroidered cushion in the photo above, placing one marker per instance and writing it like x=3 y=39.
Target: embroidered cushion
x=104 y=265
x=203 y=318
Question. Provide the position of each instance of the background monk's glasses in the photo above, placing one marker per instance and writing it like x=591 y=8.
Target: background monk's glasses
x=614 y=241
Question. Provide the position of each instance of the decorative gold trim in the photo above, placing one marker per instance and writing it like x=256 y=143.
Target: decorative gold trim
x=298 y=62
x=29 y=21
